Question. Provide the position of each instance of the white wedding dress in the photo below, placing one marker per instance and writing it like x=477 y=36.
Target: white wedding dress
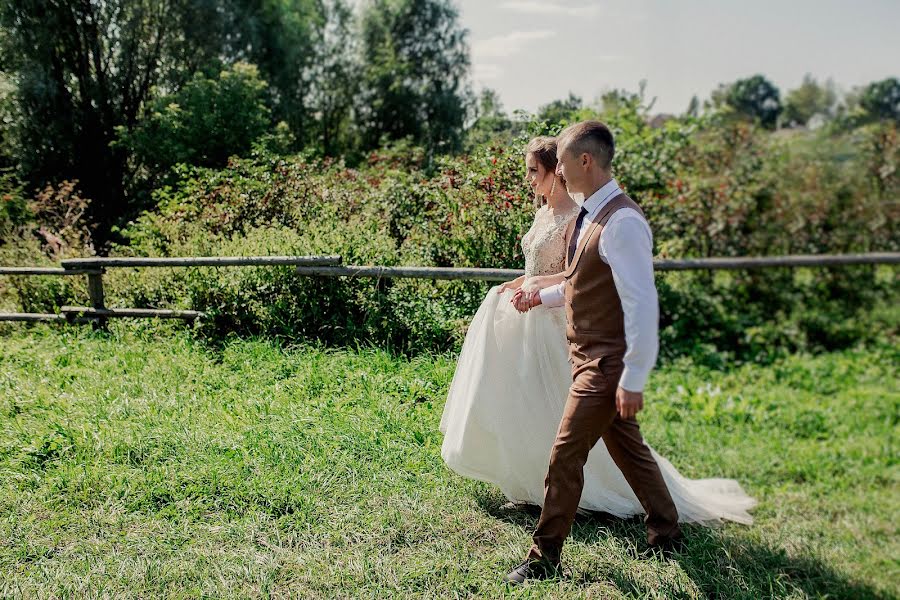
x=508 y=394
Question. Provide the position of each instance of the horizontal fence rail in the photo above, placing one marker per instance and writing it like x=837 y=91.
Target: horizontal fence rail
x=45 y=271
x=737 y=263
x=31 y=317
x=71 y=312
x=331 y=266
x=795 y=260
x=202 y=261
x=471 y=274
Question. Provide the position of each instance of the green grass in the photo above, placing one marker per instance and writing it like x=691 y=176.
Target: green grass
x=142 y=464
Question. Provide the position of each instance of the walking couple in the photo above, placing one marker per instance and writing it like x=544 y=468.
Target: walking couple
x=558 y=359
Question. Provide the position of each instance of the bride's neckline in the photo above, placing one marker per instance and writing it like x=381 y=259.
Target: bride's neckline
x=560 y=212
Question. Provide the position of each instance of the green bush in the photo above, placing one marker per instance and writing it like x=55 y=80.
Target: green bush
x=13 y=205
x=709 y=186
x=204 y=123
x=39 y=232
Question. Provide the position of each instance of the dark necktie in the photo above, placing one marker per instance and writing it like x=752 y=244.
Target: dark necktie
x=573 y=243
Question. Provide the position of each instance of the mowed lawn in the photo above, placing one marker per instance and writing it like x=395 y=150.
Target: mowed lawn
x=142 y=464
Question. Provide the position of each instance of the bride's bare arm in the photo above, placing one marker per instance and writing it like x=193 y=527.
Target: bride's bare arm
x=514 y=284
x=539 y=282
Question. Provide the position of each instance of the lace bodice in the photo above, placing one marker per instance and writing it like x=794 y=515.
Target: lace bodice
x=544 y=245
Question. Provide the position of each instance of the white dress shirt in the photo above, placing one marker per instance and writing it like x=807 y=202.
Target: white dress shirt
x=626 y=245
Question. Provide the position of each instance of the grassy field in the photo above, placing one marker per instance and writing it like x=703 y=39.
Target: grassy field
x=142 y=464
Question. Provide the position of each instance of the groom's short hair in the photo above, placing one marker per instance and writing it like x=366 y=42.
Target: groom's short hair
x=592 y=137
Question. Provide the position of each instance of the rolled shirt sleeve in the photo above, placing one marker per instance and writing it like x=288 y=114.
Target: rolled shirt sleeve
x=627 y=246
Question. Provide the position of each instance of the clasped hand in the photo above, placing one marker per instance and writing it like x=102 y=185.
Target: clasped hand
x=527 y=296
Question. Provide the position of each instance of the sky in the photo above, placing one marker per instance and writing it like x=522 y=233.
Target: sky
x=535 y=51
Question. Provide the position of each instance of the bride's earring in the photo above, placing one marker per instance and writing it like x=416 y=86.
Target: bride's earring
x=552 y=187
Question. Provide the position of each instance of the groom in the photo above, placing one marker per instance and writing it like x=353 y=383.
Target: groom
x=611 y=313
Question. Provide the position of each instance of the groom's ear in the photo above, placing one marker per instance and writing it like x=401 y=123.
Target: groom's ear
x=586 y=159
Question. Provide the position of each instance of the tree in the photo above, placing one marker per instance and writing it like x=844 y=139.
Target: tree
x=84 y=69
x=755 y=98
x=616 y=100
x=693 y=109
x=810 y=99
x=7 y=120
x=490 y=122
x=283 y=38
x=333 y=81
x=560 y=111
x=204 y=123
x=414 y=64
x=881 y=99
x=81 y=70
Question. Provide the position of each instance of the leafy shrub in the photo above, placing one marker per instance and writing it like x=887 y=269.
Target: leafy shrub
x=709 y=186
x=40 y=232
x=204 y=123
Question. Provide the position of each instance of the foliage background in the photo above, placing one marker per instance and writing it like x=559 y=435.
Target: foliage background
x=710 y=187
x=311 y=127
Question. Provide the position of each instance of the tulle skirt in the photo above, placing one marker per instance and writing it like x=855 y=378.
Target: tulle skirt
x=504 y=407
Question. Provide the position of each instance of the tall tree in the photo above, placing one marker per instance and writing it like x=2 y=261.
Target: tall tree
x=810 y=99
x=83 y=68
x=7 y=119
x=333 y=75
x=755 y=97
x=415 y=61
x=489 y=121
x=881 y=99
x=204 y=123
x=693 y=108
x=283 y=38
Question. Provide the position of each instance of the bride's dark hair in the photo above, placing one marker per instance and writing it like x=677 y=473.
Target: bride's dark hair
x=543 y=148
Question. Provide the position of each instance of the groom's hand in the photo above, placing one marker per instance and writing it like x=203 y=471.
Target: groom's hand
x=523 y=301
x=529 y=295
x=520 y=301
x=628 y=403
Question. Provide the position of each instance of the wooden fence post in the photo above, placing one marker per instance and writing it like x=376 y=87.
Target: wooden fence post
x=95 y=292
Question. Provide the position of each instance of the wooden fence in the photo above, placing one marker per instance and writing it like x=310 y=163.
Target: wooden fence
x=331 y=266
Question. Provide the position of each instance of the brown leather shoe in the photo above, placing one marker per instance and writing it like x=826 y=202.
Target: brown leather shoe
x=532 y=568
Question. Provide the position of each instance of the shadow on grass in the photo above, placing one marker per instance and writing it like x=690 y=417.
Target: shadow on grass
x=721 y=564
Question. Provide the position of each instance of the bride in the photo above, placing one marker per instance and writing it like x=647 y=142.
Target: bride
x=512 y=379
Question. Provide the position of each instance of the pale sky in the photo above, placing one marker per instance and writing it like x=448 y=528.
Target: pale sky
x=535 y=51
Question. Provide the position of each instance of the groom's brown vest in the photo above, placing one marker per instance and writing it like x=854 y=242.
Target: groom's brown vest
x=595 y=323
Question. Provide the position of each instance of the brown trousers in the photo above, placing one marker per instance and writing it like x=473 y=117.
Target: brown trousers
x=590 y=414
